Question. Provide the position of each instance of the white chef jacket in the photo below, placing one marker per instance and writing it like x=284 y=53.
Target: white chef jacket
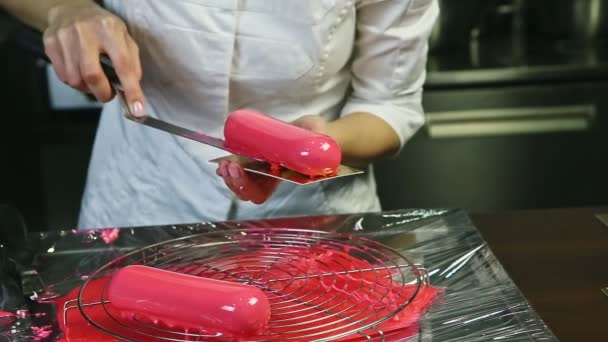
x=203 y=59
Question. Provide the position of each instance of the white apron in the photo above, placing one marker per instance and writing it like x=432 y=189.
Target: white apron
x=201 y=60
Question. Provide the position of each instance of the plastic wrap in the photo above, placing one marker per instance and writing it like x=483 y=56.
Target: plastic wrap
x=480 y=303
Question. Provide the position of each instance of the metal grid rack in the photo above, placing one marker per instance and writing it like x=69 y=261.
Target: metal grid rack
x=322 y=286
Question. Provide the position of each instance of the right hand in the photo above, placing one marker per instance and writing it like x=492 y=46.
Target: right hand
x=78 y=33
x=245 y=185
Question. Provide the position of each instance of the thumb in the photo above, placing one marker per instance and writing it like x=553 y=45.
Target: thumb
x=135 y=97
x=313 y=123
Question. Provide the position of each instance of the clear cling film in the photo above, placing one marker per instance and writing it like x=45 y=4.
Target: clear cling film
x=478 y=300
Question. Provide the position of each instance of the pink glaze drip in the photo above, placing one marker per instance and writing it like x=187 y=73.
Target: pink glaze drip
x=263 y=137
x=7 y=318
x=42 y=332
x=364 y=296
x=110 y=235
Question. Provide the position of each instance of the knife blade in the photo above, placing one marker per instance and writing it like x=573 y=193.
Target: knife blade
x=168 y=127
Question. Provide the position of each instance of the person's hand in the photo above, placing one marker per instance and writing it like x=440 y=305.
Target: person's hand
x=313 y=123
x=78 y=33
x=245 y=185
x=255 y=187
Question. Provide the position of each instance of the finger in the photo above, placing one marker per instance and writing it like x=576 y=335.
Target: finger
x=245 y=186
x=71 y=51
x=233 y=184
x=235 y=170
x=259 y=199
x=123 y=60
x=92 y=73
x=242 y=189
x=229 y=184
x=270 y=183
x=135 y=53
x=53 y=51
x=265 y=189
x=298 y=121
x=302 y=121
x=224 y=169
x=313 y=123
x=237 y=188
x=256 y=188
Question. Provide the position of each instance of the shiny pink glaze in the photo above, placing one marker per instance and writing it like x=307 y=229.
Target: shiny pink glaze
x=7 y=318
x=190 y=302
x=263 y=137
x=110 y=235
x=40 y=333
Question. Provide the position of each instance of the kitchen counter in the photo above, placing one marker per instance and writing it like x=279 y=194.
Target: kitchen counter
x=480 y=302
x=559 y=260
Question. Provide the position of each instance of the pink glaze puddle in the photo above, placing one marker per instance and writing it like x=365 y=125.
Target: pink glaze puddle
x=315 y=304
x=321 y=303
x=7 y=318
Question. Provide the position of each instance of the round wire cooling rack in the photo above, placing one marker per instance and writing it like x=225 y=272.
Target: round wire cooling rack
x=321 y=286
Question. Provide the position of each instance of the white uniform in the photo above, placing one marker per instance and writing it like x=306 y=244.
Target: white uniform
x=203 y=59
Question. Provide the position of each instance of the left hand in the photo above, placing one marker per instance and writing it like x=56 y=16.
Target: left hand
x=258 y=188
x=313 y=123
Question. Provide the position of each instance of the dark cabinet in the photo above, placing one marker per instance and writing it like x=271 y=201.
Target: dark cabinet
x=505 y=147
x=44 y=153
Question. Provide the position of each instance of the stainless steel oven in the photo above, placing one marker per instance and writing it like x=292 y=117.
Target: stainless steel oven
x=517 y=110
x=500 y=148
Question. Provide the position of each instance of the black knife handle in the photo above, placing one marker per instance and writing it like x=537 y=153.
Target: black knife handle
x=31 y=41
x=108 y=69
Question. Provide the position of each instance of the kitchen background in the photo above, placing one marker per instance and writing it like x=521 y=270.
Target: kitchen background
x=516 y=98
